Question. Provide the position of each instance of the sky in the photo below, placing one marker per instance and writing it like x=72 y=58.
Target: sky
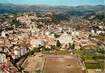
x=56 y=2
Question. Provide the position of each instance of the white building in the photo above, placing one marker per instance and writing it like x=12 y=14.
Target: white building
x=3 y=34
x=2 y=58
x=37 y=42
x=65 y=39
x=75 y=33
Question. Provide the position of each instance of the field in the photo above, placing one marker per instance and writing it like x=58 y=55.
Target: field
x=62 y=64
x=93 y=66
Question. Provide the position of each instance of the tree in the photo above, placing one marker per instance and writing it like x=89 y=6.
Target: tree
x=15 y=22
x=58 y=44
x=72 y=46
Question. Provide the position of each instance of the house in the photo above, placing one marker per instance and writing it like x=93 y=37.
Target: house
x=3 y=34
x=2 y=58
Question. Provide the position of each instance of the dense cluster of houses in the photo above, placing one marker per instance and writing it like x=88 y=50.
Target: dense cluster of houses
x=19 y=41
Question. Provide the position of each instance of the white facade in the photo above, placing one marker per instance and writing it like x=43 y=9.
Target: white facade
x=3 y=34
x=3 y=58
x=37 y=42
x=75 y=33
x=65 y=39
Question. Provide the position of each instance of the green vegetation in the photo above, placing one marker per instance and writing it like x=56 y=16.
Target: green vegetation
x=91 y=54
x=58 y=44
x=93 y=65
x=62 y=52
x=56 y=49
x=71 y=46
x=16 y=23
x=100 y=37
x=93 y=57
x=100 y=16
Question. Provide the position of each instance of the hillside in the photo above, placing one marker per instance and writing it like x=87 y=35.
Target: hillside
x=65 y=10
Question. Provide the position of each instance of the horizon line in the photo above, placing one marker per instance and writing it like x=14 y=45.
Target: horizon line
x=52 y=5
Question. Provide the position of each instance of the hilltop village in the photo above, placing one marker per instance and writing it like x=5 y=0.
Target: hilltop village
x=29 y=42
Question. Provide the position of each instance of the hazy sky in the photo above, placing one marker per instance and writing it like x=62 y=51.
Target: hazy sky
x=55 y=2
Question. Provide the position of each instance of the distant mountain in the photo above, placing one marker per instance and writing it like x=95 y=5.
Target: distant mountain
x=65 y=10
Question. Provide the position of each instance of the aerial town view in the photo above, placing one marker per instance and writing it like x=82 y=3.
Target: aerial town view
x=52 y=36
